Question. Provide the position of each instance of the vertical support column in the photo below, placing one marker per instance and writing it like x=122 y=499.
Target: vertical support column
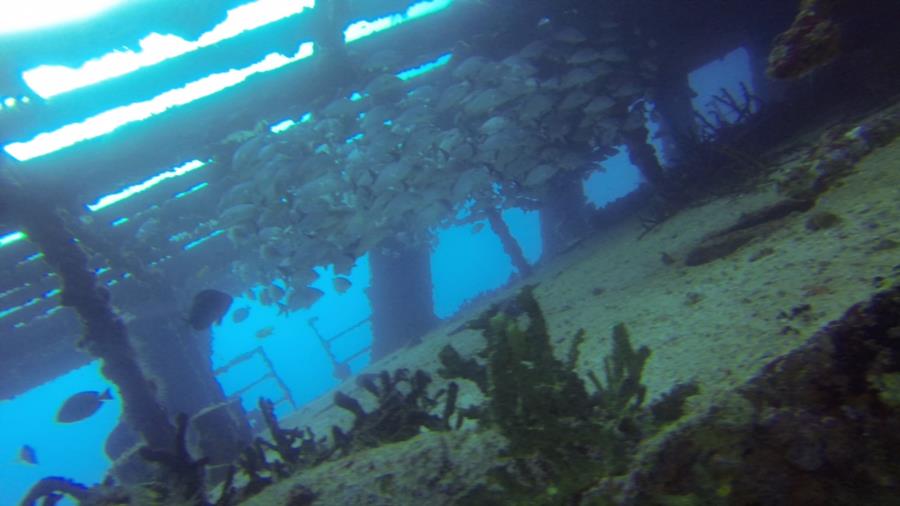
x=643 y=156
x=104 y=333
x=564 y=213
x=401 y=296
x=510 y=245
x=673 y=104
x=158 y=368
x=181 y=364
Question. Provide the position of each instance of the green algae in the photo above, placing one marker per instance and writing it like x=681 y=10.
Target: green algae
x=563 y=440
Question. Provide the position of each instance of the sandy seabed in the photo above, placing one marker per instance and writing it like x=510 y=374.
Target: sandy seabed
x=717 y=324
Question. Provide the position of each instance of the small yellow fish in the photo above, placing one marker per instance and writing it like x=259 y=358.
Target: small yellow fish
x=341 y=284
x=275 y=292
x=265 y=332
x=28 y=455
x=240 y=315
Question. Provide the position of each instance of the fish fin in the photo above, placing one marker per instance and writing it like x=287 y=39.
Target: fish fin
x=106 y=396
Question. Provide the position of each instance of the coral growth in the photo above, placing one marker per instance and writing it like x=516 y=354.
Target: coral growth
x=817 y=426
x=725 y=113
x=184 y=475
x=721 y=152
x=811 y=41
x=404 y=408
x=837 y=151
x=296 y=449
x=308 y=452
x=259 y=471
x=563 y=441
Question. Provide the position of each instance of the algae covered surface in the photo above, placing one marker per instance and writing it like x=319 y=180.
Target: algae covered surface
x=548 y=439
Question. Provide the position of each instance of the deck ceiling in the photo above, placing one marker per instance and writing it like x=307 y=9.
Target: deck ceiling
x=39 y=337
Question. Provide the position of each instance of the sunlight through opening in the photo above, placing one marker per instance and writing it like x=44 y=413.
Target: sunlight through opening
x=8 y=239
x=51 y=80
x=112 y=119
x=146 y=185
x=364 y=28
x=18 y=16
x=425 y=68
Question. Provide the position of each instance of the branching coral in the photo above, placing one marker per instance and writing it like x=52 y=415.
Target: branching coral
x=296 y=449
x=306 y=453
x=454 y=366
x=181 y=480
x=52 y=488
x=725 y=118
x=404 y=408
x=260 y=472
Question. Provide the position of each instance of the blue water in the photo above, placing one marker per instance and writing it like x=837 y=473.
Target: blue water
x=73 y=450
x=464 y=264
